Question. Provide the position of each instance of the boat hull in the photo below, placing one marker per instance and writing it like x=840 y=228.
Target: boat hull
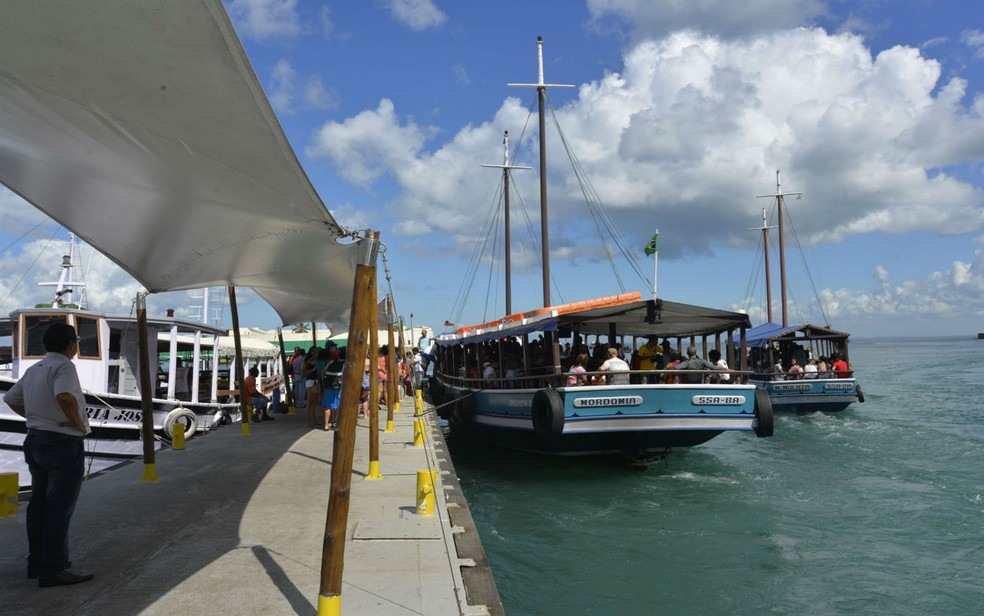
x=811 y=395
x=118 y=413
x=637 y=421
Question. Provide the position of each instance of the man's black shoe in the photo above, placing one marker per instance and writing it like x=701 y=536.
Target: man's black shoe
x=65 y=578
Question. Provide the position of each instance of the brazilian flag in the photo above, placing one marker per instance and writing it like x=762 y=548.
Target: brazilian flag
x=653 y=246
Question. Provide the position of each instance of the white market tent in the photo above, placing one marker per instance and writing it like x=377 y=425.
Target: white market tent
x=142 y=127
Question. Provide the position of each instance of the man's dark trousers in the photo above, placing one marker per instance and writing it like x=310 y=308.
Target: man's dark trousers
x=57 y=466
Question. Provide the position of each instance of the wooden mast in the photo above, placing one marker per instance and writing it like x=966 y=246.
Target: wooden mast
x=505 y=166
x=768 y=276
x=541 y=95
x=782 y=247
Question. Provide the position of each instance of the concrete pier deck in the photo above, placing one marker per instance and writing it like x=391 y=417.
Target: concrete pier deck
x=235 y=525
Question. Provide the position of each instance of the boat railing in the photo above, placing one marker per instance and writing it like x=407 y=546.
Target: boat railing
x=803 y=376
x=599 y=377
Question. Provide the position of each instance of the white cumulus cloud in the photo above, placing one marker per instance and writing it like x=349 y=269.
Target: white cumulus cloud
x=265 y=19
x=417 y=14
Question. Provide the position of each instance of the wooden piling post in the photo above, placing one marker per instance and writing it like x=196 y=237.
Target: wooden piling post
x=288 y=394
x=333 y=549
x=146 y=391
x=243 y=402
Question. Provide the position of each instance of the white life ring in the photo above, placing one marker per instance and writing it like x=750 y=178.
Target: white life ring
x=186 y=417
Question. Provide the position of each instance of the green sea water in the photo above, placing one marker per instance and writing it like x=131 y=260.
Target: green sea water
x=875 y=510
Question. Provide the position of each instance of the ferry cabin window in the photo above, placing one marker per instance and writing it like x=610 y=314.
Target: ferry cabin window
x=34 y=328
x=88 y=329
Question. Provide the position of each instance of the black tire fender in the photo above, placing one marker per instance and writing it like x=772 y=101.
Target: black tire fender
x=464 y=411
x=186 y=417
x=860 y=393
x=764 y=422
x=548 y=413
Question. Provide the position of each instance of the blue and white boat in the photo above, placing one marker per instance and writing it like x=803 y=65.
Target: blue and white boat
x=806 y=385
x=829 y=390
x=538 y=412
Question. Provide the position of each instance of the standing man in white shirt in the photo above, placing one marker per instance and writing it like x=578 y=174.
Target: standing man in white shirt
x=49 y=396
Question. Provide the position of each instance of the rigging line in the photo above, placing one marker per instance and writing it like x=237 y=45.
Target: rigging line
x=809 y=275
x=534 y=240
x=28 y=232
x=494 y=233
x=594 y=201
x=523 y=244
x=475 y=261
x=464 y=289
x=575 y=166
x=595 y=204
x=758 y=265
x=31 y=266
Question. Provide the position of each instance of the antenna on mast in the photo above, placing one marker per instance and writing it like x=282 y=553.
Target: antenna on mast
x=66 y=280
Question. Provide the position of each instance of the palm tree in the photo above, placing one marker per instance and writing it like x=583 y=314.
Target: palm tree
x=301 y=328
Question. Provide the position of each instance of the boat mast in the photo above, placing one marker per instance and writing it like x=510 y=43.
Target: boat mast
x=66 y=280
x=768 y=278
x=782 y=247
x=541 y=93
x=505 y=166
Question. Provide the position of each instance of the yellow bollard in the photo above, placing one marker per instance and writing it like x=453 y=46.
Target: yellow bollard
x=290 y=409
x=418 y=432
x=396 y=405
x=150 y=473
x=389 y=426
x=8 y=494
x=418 y=402
x=329 y=605
x=178 y=436
x=425 y=493
x=374 y=470
x=249 y=411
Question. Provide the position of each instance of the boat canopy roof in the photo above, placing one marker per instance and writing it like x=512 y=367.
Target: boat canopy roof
x=661 y=318
x=762 y=335
x=142 y=127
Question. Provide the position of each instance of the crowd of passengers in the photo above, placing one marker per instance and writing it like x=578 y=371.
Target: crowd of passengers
x=605 y=364
x=788 y=361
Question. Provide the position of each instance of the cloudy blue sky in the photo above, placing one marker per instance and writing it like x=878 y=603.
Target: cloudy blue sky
x=681 y=115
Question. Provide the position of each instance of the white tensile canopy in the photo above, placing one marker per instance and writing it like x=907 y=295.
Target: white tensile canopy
x=141 y=127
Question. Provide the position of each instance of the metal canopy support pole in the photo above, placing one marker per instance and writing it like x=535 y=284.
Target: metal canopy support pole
x=343 y=450
x=215 y=369
x=243 y=402
x=146 y=391
x=196 y=367
x=172 y=361
x=288 y=394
